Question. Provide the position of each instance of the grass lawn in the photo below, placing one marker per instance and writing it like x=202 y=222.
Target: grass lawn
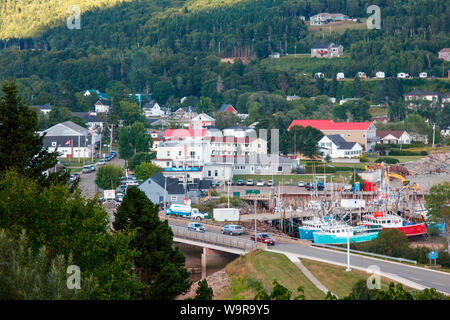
x=337 y=280
x=265 y=267
x=377 y=111
x=338 y=27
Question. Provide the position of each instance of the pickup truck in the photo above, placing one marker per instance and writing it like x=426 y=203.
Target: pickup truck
x=186 y=211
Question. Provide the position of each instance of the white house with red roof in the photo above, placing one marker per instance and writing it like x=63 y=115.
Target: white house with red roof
x=393 y=136
x=365 y=133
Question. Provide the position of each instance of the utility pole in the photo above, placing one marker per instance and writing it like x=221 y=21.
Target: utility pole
x=78 y=148
x=348 y=253
x=434 y=130
x=111 y=139
x=255 y=220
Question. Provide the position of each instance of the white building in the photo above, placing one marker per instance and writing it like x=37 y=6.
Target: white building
x=337 y=147
x=380 y=75
x=393 y=136
x=153 y=109
x=230 y=145
x=340 y=76
x=70 y=140
x=101 y=106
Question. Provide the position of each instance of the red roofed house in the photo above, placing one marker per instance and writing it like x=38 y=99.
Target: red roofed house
x=365 y=133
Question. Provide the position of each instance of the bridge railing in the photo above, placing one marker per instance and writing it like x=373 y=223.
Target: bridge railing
x=213 y=238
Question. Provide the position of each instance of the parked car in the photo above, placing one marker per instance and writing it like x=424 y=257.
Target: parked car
x=113 y=154
x=86 y=169
x=300 y=170
x=93 y=168
x=77 y=175
x=108 y=158
x=250 y=182
x=240 y=182
x=119 y=197
x=101 y=162
x=260 y=182
x=301 y=183
x=232 y=229
x=263 y=237
x=315 y=185
x=270 y=183
x=123 y=188
x=195 y=226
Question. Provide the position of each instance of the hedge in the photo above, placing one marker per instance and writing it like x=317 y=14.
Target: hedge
x=407 y=153
x=387 y=160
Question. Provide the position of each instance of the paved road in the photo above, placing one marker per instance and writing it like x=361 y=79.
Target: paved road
x=421 y=276
x=87 y=180
x=409 y=275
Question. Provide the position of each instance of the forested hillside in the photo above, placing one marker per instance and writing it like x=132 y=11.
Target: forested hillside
x=173 y=49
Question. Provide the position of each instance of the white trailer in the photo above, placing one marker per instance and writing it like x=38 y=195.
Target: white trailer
x=226 y=214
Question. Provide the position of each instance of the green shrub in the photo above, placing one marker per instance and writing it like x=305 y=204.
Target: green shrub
x=423 y=153
x=387 y=160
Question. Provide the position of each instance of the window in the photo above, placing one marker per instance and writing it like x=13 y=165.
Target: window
x=215 y=173
x=280 y=168
x=209 y=173
x=54 y=144
x=179 y=153
x=173 y=198
x=168 y=153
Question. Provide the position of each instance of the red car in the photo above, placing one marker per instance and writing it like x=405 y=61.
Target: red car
x=264 y=237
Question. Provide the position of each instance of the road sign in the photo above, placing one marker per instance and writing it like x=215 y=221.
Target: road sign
x=252 y=191
x=433 y=255
x=236 y=194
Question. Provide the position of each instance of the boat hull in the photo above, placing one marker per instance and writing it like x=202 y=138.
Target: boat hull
x=306 y=234
x=320 y=237
x=414 y=229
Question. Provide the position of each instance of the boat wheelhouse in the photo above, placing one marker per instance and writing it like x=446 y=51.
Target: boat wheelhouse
x=340 y=233
x=308 y=227
x=379 y=220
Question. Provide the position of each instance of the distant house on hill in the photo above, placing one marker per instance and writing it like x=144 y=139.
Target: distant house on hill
x=45 y=108
x=100 y=95
x=321 y=19
x=327 y=50
x=186 y=112
x=227 y=108
x=417 y=95
x=201 y=121
x=444 y=54
x=152 y=109
x=102 y=106
x=92 y=120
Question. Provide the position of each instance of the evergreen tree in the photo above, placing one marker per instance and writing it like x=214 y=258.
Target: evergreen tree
x=161 y=268
x=203 y=292
x=21 y=147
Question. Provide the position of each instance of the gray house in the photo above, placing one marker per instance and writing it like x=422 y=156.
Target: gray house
x=154 y=186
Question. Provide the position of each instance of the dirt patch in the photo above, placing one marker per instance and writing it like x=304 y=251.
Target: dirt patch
x=218 y=282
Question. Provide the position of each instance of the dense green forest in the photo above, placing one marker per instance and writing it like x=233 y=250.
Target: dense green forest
x=172 y=49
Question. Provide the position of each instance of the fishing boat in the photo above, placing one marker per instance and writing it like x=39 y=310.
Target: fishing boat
x=308 y=227
x=379 y=220
x=340 y=233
